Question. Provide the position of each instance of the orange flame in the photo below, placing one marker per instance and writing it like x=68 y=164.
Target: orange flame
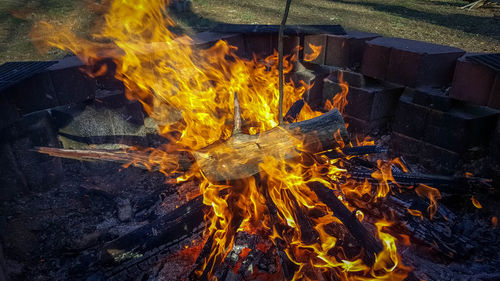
x=476 y=203
x=190 y=94
x=432 y=194
x=316 y=51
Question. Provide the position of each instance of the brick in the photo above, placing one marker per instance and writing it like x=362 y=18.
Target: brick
x=260 y=45
x=461 y=128
x=410 y=119
x=12 y=181
x=415 y=63
x=291 y=45
x=347 y=50
x=372 y=103
x=316 y=40
x=315 y=77
x=355 y=126
x=409 y=62
x=495 y=145
x=375 y=59
x=472 y=82
x=430 y=97
x=34 y=94
x=207 y=39
x=37 y=171
x=433 y=158
x=70 y=84
x=61 y=83
x=8 y=112
x=494 y=100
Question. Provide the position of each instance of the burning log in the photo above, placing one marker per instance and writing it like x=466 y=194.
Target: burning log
x=370 y=244
x=240 y=155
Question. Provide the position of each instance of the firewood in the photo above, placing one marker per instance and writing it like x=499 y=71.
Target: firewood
x=240 y=155
x=370 y=244
x=149 y=239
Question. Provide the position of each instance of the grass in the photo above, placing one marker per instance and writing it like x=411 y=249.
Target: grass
x=436 y=21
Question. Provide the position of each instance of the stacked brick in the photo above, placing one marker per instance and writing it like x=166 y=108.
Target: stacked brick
x=438 y=106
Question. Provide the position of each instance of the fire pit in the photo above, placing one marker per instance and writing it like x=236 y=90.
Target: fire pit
x=152 y=155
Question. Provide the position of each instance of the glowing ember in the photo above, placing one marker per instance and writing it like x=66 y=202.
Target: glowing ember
x=191 y=94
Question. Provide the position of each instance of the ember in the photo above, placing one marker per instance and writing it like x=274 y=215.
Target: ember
x=300 y=192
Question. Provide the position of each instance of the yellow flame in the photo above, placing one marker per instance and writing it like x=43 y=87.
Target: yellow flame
x=190 y=94
x=476 y=203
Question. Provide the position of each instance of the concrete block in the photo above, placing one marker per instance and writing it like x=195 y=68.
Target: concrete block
x=415 y=63
x=8 y=112
x=61 y=83
x=494 y=100
x=409 y=62
x=315 y=77
x=260 y=45
x=347 y=50
x=374 y=103
x=37 y=171
x=316 y=40
x=472 y=82
x=433 y=158
x=430 y=97
x=410 y=118
x=375 y=59
x=461 y=128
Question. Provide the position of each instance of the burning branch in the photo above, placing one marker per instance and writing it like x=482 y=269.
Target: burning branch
x=280 y=60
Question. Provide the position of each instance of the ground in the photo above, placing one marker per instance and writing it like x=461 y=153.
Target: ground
x=437 y=21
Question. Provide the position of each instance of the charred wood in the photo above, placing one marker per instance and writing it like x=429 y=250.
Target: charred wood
x=149 y=243
x=327 y=196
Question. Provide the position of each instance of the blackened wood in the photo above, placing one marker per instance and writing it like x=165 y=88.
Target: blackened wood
x=166 y=231
x=294 y=111
x=280 y=60
x=327 y=196
x=289 y=30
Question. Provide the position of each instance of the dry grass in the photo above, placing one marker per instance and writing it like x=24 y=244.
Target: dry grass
x=437 y=21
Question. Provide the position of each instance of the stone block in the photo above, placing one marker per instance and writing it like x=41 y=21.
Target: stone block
x=433 y=158
x=472 y=82
x=356 y=127
x=12 y=181
x=495 y=145
x=374 y=103
x=461 y=128
x=409 y=62
x=315 y=77
x=315 y=40
x=415 y=63
x=410 y=118
x=39 y=172
x=347 y=50
x=291 y=45
x=494 y=100
x=375 y=59
x=8 y=112
x=61 y=83
x=260 y=45
x=430 y=97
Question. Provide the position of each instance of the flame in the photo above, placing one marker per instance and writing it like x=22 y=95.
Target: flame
x=494 y=221
x=432 y=194
x=476 y=203
x=190 y=93
x=316 y=51
x=415 y=213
